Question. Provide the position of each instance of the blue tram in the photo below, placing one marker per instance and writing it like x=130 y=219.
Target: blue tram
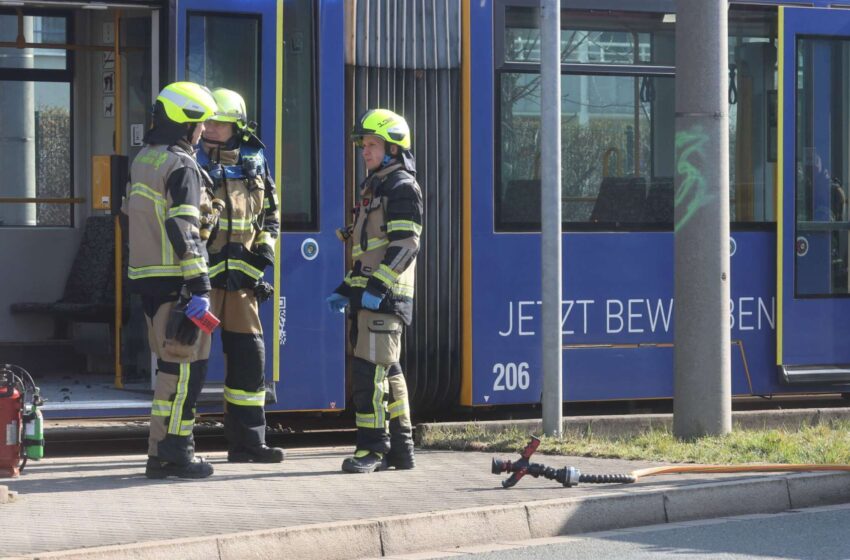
x=78 y=79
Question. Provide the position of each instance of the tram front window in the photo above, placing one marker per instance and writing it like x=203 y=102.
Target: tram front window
x=822 y=166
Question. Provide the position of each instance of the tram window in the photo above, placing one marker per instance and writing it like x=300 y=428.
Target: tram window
x=40 y=169
x=299 y=190
x=35 y=96
x=629 y=38
x=752 y=115
x=823 y=166
x=617 y=151
x=232 y=63
x=37 y=29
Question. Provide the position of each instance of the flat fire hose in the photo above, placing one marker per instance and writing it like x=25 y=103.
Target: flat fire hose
x=571 y=476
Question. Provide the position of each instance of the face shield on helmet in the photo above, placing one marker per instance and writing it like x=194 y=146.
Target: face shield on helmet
x=231 y=108
x=385 y=124
x=186 y=102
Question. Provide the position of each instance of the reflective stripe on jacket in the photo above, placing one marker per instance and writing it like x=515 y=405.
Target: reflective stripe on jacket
x=163 y=202
x=243 y=244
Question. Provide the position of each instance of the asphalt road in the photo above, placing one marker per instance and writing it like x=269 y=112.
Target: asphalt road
x=812 y=534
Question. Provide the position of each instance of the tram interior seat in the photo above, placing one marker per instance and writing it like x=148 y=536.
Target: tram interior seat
x=89 y=294
x=658 y=207
x=620 y=200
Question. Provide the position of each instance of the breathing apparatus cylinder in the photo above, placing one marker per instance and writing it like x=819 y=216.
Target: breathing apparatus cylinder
x=34 y=432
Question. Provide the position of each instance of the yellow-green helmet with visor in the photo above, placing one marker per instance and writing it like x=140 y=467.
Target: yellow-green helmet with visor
x=187 y=102
x=231 y=107
x=389 y=126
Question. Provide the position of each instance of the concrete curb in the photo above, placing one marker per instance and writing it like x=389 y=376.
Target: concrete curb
x=464 y=527
x=635 y=424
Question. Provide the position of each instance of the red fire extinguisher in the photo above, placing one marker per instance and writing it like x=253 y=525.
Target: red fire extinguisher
x=21 y=428
x=11 y=415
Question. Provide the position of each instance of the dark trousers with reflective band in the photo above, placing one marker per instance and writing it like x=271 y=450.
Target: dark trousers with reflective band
x=245 y=359
x=181 y=371
x=379 y=388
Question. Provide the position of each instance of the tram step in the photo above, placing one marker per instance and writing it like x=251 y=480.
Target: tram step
x=822 y=375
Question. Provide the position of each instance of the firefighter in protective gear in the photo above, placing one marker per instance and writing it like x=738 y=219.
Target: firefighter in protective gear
x=240 y=248
x=378 y=290
x=165 y=198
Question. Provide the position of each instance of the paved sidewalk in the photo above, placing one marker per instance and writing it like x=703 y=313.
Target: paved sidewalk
x=307 y=508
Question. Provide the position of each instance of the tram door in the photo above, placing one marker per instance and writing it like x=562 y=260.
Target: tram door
x=813 y=229
x=246 y=46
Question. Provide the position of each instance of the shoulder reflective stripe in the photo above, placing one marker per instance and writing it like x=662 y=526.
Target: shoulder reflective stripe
x=139 y=272
x=193 y=267
x=372 y=244
x=386 y=275
x=404 y=225
x=238 y=224
x=153 y=158
x=244 y=398
x=184 y=210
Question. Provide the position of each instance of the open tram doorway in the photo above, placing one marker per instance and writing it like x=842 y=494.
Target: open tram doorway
x=76 y=84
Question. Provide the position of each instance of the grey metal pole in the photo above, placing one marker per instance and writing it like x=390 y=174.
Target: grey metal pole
x=550 y=212
x=702 y=403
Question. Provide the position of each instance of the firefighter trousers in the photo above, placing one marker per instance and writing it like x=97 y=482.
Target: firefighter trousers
x=379 y=387
x=245 y=360
x=181 y=371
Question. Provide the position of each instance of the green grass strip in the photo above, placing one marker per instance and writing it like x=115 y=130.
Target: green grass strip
x=826 y=443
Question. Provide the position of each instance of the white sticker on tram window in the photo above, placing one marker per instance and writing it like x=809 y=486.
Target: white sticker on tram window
x=511 y=376
x=309 y=249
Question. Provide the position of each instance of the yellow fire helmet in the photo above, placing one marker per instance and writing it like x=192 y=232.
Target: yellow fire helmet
x=385 y=124
x=187 y=102
x=231 y=107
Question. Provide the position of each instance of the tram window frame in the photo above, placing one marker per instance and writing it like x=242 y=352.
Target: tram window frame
x=311 y=187
x=50 y=75
x=577 y=9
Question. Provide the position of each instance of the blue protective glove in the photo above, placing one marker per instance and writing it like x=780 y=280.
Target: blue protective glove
x=337 y=303
x=370 y=300
x=197 y=306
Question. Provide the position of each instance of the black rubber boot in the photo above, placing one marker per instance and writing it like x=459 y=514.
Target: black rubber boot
x=196 y=468
x=365 y=461
x=260 y=454
x=401 y=457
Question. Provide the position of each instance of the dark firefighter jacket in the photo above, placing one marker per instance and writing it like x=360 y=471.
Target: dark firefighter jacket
x=385 y=241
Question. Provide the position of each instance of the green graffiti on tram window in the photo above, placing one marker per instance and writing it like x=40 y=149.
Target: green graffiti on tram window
x=692 y=190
